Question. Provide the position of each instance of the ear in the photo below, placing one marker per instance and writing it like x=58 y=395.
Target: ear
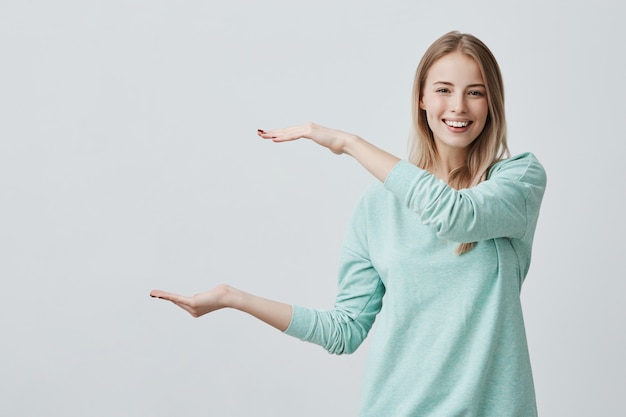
x=422 y=105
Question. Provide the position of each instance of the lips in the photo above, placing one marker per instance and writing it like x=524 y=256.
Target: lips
x=455 y=123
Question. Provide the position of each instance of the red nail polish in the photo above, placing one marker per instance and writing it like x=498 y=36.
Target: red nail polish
x=260 y=131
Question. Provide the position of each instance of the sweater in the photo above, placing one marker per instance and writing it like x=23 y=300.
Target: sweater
x=449 y=338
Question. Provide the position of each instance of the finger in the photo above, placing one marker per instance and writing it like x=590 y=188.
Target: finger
x=285 y=134
x=269 y=134
x=175 y=298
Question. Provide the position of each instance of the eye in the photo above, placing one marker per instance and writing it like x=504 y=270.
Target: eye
x=442 y=90
x=476 y=93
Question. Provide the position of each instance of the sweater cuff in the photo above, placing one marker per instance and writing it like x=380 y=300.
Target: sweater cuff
x=400 y=179
x=301 y=321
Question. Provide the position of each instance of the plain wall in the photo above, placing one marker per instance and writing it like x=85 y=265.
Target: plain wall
x=129 y=161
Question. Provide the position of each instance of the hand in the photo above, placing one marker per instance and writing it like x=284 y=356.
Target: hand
x=199 y=304
x=271 y=312
x=333 y=139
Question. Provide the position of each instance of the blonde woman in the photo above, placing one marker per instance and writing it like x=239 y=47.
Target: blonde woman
x=437 y=251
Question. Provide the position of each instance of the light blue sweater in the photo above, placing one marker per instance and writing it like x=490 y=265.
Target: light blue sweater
x=450 y=339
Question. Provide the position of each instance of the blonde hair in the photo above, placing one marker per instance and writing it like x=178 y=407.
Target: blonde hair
x=491 y=145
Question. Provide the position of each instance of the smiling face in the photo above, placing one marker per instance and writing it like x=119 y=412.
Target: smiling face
x=454 y=98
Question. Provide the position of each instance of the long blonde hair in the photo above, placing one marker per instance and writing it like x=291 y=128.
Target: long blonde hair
x=491 y=145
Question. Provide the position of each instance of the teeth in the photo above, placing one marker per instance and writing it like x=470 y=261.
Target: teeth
x=456 y=124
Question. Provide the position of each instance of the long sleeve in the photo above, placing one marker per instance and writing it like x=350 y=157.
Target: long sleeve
x=450 y=337
x=359 y=299
x=505 y=205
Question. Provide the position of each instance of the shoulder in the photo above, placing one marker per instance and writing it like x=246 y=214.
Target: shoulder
x=375 y=194
x=524 y=167
x=375 y=201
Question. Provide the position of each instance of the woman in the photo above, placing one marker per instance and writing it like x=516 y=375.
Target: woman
x=437 y=251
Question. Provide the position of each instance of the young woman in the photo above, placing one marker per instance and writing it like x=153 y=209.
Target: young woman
x=437 y=251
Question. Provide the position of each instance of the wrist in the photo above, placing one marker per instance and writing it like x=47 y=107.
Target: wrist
x=228 y=297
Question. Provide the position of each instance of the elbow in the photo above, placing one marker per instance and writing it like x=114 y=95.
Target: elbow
x=344 y=348
x=346 y=339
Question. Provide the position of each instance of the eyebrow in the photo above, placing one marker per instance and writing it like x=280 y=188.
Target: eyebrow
x=449 y=83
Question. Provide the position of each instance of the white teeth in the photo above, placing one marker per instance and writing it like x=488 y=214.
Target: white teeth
x=456 y=124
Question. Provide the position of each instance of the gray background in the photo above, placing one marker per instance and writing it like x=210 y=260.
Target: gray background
x=129 y=161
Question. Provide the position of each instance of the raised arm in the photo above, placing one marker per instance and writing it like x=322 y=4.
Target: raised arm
x=274 y=313
x=377 y=161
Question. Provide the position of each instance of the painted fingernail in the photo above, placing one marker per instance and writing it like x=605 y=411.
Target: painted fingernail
x=260 y=131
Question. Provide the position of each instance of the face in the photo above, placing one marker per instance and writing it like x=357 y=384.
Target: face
x=455 y=100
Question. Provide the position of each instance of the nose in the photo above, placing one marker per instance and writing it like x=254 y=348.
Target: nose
x=458 y=103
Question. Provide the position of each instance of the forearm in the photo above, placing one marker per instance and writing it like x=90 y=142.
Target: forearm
x=274 y=313
x=377 y=161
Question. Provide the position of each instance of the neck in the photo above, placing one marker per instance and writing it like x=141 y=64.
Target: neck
x=445 y=164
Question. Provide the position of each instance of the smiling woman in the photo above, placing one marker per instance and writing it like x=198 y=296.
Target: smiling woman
x=455 y=102
x=437 y=251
